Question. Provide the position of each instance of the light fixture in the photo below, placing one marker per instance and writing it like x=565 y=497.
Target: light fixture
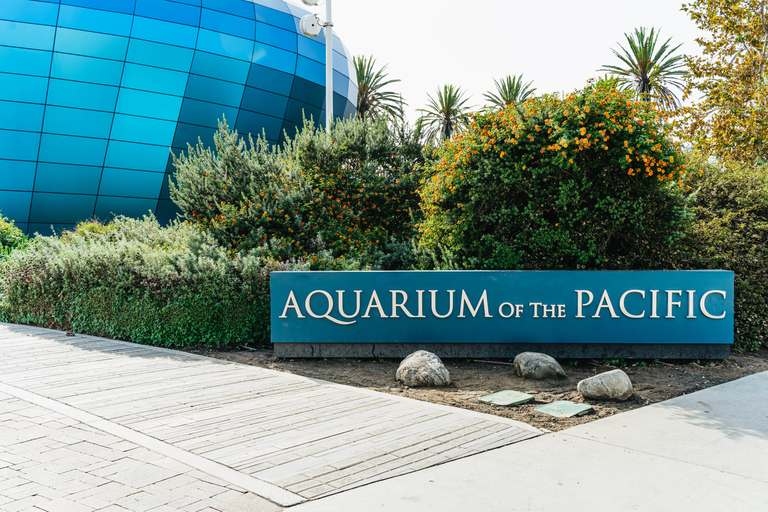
x=310 y=25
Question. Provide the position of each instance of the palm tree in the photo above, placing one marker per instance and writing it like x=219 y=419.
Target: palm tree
x=444 y=115
x=372 y=100
x=649 y=71
x=509 y=91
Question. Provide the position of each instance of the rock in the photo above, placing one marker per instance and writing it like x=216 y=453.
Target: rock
x=613 y=385
x=423 y=368
x=533 y=365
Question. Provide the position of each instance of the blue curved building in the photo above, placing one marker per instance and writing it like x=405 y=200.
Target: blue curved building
x=93 y=93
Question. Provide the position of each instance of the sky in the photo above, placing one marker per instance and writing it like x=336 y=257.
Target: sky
x=557 y=44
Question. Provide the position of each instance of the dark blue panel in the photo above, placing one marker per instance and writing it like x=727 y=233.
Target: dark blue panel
x=290 y=128
x=72 y=150
x=225 y=44
x=149 y=104
x=270 y=79
x=75 y=179
x=25 y=62
x=165 y=192
x=122 y=6
x=339 y=104
x=206 y=114
x=15 y=145
x=86 y=69
x=189 y=133
x=275 y=58
x=151 y=79
x=164 y=32
x=296 y=108
x=223 y=68
x=310 y=70
x=82 y=95
x=21 y=116
x=114 y=23
x=16 y=175
x=83 y=123
x=264 y=102
x=26 y=35
x=48 y=229
x=228 y=24
x=168 y=11
x=15 y=205
x=238 y=7
x=166 y=211
x=29 y=12
x=308 y=92
x=258 y=124
x=107 y=207
x=276 y=37
x=143 y=129
x=204 y=88
x=159 y=55
x=268 y=14
x=61 y=208
x=125 y=183
x=91 y=44
x=132 y=155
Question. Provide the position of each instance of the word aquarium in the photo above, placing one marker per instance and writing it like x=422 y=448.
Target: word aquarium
x=499 y=312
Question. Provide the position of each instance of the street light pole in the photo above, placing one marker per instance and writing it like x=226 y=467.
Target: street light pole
x=328 y=66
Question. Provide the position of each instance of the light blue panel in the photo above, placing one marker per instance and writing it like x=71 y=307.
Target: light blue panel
x=82 y=95
x=21 y=116
x=149 y=104
x=15 y=205
x=143 y=129
x=15 y=145
x=310 y=70
x=79 y=179
x=72 y=121
x=26 y=35
x=274 y=14
x=168 y=11
x=256 y=124
x=68 y=149
x=277 y=37
x=131 y=155
x=95 y=20
x=274 y=58
x=238 y=7
x=159 y=55
x=86 y=69
x=204 y=88
x=23 y=61
x=123 y=6
x=264 y=102
x=206 y=114
x=340 y=84
x=228 y=24
x=223 y=68
x=61 y=208
x=225 y=44
x=313 y=49
x=91 y=44
x=125 y=183
x=340 y=65
x=22 y=88
x=151 y=79
x=29 y=12
x=107 y=207
x=17 y=175
x=164 y=32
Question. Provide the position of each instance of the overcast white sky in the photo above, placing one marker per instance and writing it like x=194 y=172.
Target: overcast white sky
x=558 y=44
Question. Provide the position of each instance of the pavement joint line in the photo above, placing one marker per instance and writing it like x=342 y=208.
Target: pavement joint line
x=266 y=490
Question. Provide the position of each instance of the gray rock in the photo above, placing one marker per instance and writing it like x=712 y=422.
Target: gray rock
x=423 y=368
x=533 y=365
x=613 y=385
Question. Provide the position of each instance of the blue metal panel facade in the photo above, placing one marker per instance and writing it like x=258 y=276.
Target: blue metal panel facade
x=93 y=94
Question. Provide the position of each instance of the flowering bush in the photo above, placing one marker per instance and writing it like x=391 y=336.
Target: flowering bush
x=583 y=181
x=11 y=237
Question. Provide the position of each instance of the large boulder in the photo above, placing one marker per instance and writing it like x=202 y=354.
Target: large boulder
x=613 y=385
x=423 y=368
x=533 y=365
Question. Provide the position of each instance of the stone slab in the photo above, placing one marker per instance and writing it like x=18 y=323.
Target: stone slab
x=506 y=397
x=564 y=409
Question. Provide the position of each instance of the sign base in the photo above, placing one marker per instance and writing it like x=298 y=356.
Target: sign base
x=507 y=350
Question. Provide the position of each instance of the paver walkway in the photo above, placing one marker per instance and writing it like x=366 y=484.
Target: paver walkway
x=203 y=429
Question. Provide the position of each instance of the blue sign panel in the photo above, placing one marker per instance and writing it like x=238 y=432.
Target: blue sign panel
x=497 y=307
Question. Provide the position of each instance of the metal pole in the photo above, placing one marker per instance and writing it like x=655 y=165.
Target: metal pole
x=328 y=67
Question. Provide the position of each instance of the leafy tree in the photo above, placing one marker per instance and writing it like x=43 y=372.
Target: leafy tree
x=445 y=114
x=509 y=90
x=731 y=119
x=373 y=100
x=649 y=69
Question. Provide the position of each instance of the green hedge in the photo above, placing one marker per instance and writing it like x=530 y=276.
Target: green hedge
x=137 y=281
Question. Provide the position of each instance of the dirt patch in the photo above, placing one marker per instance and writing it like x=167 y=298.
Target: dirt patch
x=653 y=381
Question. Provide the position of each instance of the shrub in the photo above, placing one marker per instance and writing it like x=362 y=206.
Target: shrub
x=11 y=237
x=585 y=181
x=730 y=231
x=334 y=200
x=137 y=281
